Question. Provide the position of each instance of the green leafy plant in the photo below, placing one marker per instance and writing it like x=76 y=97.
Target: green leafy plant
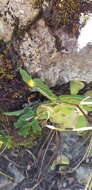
x=65 y=112
x=5 y=140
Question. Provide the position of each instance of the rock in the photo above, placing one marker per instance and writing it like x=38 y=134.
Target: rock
x=3 y=31
x=49 y=54
x=56 y=69
x=6 y=183
x=21 y=10
x=42 y=58
x=39 y=52
x=83 y=173
x=73 y=147
x=18 y=176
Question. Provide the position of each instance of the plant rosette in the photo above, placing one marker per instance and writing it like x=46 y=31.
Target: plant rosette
x=64 y=112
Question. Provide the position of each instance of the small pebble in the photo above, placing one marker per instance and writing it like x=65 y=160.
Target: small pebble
x=87 y=160
x=64 y=184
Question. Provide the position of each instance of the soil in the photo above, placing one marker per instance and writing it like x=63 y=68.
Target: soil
x=34 y=167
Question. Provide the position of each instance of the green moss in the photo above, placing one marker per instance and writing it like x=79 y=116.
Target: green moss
x=38 y=3
x=62 y=12
x=68 y=9
x=6 y=65
x=2 y=70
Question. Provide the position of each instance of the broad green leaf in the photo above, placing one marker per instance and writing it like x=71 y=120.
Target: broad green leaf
x=76 y=86
x=15 y=113
x=38 y=85
x=64 y=115
x=35 y=125
x=72 y=99
x=20 y=112
x=81 y=122
x=25 y=76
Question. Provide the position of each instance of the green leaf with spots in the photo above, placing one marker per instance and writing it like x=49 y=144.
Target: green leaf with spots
x=64 y=115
